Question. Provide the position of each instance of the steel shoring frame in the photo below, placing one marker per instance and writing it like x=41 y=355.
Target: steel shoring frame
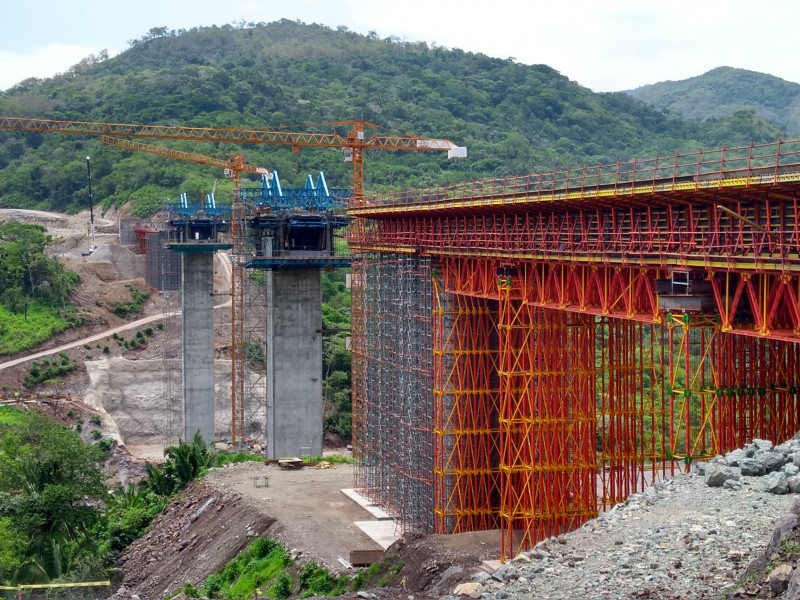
x=771 y=302
x=632 y=408
x=238 y=257
x=758 y=394
x=648 y=416
x=392 y=351
x=693 y=385
x=602 y=290
x=255 y=352
x=466 y=425
x=359 y=348
x=547 y=422
x=414 y=383
x=755 y=232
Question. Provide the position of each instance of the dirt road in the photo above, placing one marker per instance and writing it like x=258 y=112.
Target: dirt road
x=310 y=510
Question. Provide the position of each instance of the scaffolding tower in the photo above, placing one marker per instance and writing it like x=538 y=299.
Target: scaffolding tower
x=392 y=361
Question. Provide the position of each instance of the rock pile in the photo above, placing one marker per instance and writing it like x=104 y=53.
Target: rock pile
x=777 y=467
x=688 y=536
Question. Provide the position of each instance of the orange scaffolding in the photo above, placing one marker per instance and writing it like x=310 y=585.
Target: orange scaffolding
x=594 y=330
x=465 y=419
x=547 y=421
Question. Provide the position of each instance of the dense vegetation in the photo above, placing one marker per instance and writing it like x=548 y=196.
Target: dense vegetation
x=50 y=490
x=266 y=566
x=514 y=118
x=58 y=521
x=335 y=355
x=34 y=288
x=725 y=91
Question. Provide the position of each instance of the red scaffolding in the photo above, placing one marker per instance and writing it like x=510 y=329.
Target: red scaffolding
x=593 y=330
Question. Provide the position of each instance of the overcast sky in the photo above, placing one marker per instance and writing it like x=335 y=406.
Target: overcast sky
x=605 y=45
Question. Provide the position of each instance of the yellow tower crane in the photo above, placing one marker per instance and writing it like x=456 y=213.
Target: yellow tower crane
x=353 y=137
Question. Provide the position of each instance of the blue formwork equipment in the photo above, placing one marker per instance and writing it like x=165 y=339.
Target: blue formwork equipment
x=315 y=196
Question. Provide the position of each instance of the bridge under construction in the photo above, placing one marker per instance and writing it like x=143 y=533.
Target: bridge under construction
x=530 y=351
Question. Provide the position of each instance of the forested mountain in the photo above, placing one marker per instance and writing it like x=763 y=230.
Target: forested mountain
x=724 y=91
x=514 y=118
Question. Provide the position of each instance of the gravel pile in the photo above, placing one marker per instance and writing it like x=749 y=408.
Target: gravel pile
x=681 y=538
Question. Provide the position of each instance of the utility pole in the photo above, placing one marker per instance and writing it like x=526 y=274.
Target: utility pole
x=92 y=246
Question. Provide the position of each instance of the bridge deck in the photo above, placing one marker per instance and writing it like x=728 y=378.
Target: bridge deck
x=709 y=176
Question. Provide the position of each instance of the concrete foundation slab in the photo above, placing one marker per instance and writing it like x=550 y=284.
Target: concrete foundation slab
x=356 y=497
x=369 y=506
x=384 y=533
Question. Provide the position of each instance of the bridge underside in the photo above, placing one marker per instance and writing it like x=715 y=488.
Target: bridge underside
x=528 y=396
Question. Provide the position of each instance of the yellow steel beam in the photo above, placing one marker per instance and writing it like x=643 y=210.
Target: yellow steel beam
x=515 y=199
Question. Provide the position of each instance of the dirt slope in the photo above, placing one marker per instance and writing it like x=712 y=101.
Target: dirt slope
x=197 y=535
x=214 y=519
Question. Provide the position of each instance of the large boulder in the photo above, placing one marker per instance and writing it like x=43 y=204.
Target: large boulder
x=771 y=460
x=717 y=475
x=735 y=457
x=762 y=444
x=775 y=483
x=752 y=467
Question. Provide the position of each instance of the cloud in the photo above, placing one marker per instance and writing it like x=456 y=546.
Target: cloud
x=42 y=62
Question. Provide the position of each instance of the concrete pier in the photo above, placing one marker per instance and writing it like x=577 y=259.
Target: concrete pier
x=294 y=363
x=198 y=345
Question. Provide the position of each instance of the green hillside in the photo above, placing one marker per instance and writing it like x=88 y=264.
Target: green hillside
x=724 y=91
x=513 y=118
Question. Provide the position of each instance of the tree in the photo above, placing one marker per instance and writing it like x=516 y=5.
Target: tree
x=12 y=548
x=51 y=485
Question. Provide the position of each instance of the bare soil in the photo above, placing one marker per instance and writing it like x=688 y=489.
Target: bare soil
x=312 y=514
x=215 y=519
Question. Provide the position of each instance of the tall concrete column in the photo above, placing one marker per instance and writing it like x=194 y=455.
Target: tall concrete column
x=198 y=345
x=294 y=363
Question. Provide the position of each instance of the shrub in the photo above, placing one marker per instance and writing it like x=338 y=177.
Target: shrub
x=96 y=434
x=95 y=420
x=134 y=306
x=45 y=371
x=283 y=586
x=106 y=350
x=131 y=511
x=316 y=580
